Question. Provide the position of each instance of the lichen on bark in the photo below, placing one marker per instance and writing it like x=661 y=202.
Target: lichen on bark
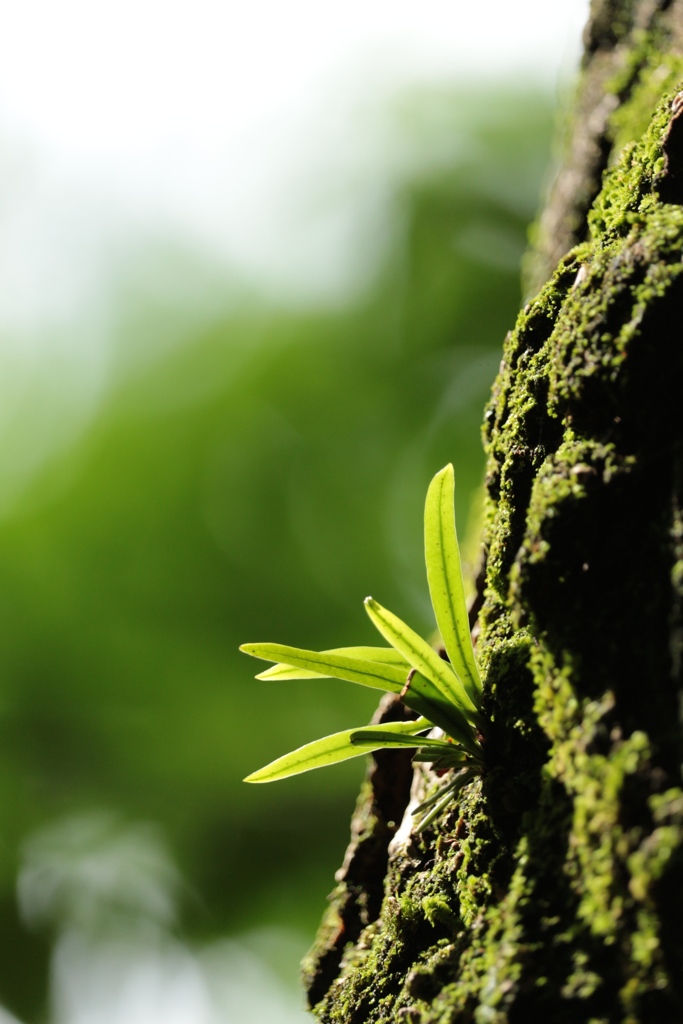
x=554 y=887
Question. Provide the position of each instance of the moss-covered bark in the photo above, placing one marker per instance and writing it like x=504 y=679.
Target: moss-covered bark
x=628 y=46
x=554 y=888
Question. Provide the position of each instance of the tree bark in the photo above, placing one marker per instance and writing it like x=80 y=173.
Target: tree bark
x=553 y=890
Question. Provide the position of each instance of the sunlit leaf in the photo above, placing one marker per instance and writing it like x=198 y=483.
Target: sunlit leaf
x=422 y=696
x=453 y=758
x=381 y=655
x=444 y=574
x=328 y=750
x=421 y=656
x=284 y=672
x=390 y=737
x=445 y=694
x=338 y=666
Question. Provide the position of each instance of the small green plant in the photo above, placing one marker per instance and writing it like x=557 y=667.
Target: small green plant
x=444 y=691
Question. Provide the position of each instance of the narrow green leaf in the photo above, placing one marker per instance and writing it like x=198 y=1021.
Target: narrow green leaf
x=443 y=797
x=390 y=739
x=328 y=750
x=282 y=672
x=421 y=656
x=444 y=575
x=439 y=806
x=381 y=655
x=445 y=761
x=423 y=697
x=448 y=787
x=339 y=666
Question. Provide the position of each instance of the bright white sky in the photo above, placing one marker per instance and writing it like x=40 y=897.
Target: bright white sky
x=185 y=114
x=121 y=79
x=227 y=130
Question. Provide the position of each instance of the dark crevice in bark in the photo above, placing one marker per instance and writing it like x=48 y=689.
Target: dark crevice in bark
x=358 y=898
x=671 y=184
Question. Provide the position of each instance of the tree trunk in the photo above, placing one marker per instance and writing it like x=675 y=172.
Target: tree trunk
x=553 y=890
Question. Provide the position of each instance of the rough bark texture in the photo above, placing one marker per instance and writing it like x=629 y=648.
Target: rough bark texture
x=553 y=890
x=624 y=41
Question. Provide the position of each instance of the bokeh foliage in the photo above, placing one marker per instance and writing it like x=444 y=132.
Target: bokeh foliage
x=253 y=484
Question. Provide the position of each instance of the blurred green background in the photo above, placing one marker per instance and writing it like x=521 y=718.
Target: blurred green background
x=251 y=479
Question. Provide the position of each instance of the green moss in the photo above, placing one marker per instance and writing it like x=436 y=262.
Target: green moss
x=438 y=911
x=648 y=75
